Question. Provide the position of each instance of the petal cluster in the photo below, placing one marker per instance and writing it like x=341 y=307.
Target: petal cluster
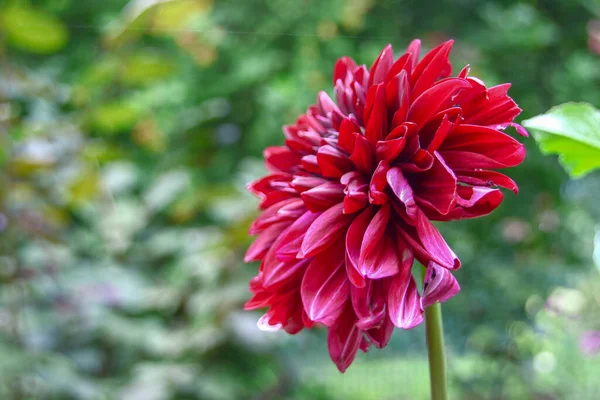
x=348 y=203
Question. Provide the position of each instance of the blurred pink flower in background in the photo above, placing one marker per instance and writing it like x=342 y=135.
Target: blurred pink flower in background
x=594 y=36
x=589 y=342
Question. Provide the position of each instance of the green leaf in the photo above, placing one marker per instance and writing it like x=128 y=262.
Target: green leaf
x=113 y=118
x=572 y=131
x=33 y=30
x=144 y=67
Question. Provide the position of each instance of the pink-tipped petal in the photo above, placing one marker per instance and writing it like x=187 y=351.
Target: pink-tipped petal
x=263 y=242
x=434 y=244
x=404 y=193
x=332 y=162
x=473 y=202
x=381 y=66
x=414 y=49
x=354 y=239
x=404 y=303
x=324 y=196
x=439 y=285
x=375 y=114
x=378 y=184
x=290 y=242
x=325 y=287
x=328 y=227
x=343 y=70
x=344 y=339
x=369 y=304
x=381 y=335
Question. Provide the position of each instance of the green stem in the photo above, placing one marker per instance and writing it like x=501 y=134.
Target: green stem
x=437 y=355
x=436 y=351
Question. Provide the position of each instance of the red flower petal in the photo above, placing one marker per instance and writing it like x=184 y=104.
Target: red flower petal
x=354 y=238
x=473 y=202
x=466 y=159
x=380 y=336
x=404 y=193
x=378 y=184
x=325 y=287
x=310 y=164
x=273 y=215
x=361 y=77
x=390 y=148
x=404 y=305
x=356 y=192
x=280 y=275
x=439 y=285
x=375 y=231
x=369 y=304
x=493 y=107
x=348 y=130
x=290 y=242
x=398 y=96
x=434 y=244
x=362 y=155
x=435 y=189
x=260 y=299
x=343 y=70
x=328 y=227
x=380 y=255
x=268 y=184
x=519 y=128
x=430 y=68
x=414 y=49
x=303 y=183
x=481 y=177
x=344 y=339
x=281 y=159
x=375 y=114
x=381 y=66
x=489 y=148
x=272 y=189
x=404 y=63
x=343 y=96
x=440 y=134
x=324 y=196
x=263 y=242
x=285 y=312
x=332 y=162
x=436 y=98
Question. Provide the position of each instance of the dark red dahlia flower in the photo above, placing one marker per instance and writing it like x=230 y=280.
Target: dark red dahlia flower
x=350 y=198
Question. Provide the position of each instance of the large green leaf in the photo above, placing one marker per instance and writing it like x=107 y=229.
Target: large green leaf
x=572 y=131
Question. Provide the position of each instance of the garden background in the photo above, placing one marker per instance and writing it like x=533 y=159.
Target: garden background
x=128 y=130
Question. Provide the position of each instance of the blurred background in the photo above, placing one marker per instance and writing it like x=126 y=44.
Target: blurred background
x=128 y=130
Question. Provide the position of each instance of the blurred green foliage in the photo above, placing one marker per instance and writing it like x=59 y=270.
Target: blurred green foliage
x=127 y=132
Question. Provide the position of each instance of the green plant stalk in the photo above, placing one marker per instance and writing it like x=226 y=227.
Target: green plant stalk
x=436 y=351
